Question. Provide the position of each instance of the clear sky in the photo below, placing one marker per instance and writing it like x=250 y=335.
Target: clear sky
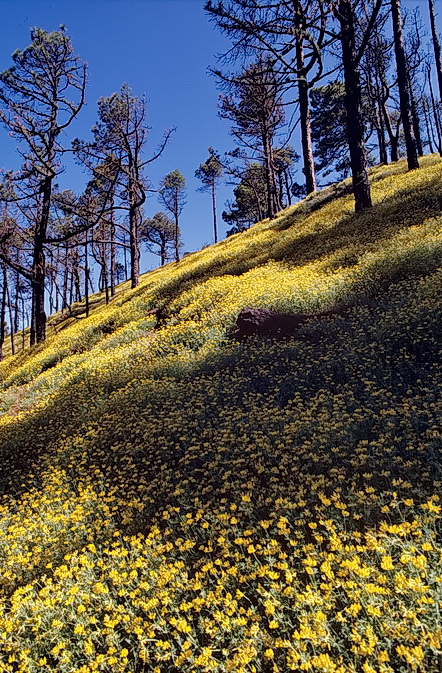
x=159 y=47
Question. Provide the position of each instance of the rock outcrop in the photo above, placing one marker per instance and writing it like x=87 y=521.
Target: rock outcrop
x=264 y=322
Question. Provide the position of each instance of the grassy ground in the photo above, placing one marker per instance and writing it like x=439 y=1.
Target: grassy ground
x=176 y=501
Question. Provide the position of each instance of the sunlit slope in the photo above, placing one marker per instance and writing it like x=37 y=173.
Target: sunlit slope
x=175 y=501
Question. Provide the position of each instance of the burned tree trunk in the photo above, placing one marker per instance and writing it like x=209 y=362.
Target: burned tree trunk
x=353 y=108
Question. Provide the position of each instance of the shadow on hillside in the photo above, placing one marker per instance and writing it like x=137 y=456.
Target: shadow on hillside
x=106 y=414
x=382 y=221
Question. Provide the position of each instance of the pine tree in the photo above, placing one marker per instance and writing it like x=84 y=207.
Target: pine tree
x=210 y=173
x=172 y=195
x=36 y=107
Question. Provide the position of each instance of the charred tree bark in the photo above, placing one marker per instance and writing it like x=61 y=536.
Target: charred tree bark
x=86 y=273
x=39 y=263
x=436 y=46
x=415 y=119
x=133 y=236
x=404 y=98
x=353 y=108
x=383 y=157
x=3 y=310
x=435 y=113
x=304 y=107
x=112 y=255
x=272 y=192
x=427 y=126
x=215 y=228
x=11 y=320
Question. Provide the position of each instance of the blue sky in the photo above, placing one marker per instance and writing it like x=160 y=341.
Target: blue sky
x=159 y=47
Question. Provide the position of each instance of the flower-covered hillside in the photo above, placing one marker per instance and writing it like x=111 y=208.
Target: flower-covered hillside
x=176 y=501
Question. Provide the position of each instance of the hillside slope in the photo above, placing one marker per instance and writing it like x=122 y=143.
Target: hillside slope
x=176 y=501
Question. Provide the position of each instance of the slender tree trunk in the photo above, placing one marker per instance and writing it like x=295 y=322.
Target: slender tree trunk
x=427 y=126
x=23 y=323
x=11 y=321
x=353 y=108
x=393 y=138
x=415 y=119
x=280 y=188
x=104 y=274
x=51 y=285
x=77 y=278
x=436 y=46
x=258 y=202
x=287 y=188
x=304 y=107
x=383 y=157
x=112 y=255
x=177 y=253
x=125 y=256
x=39 y=263
x=133 y=236
x=272 y=199
x=55 y=279
x=163 y=250
x=16 y=309
x=3 y=310
x=435 y=114
x=71 y=287
x=404 y=98
x=65 y=279
x=86 y=274
x=32 y=326
x=215 y=232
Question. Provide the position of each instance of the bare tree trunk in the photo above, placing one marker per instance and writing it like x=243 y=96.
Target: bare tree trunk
x=435 y=113
x=71 y=287
x=272 y=195
x=353 y=108
x=55 y=277
x=177 y=253
x=16 y=310
x=215 y=232
x=393 y=138
x=11 y=320
x=404 y=98
x=3 y=310
x=112 y=255
x=104 y=274
x=133 y=235
x=427 y=126
x=287 y=188
x=86 y=274
x=77 y=278
x=23 y=323
x=163 y=250
x=383 y=157
x=436 y=46
x=32 y=327
x=39 y=264
x=415 y=119
x=65 y=279
x=304 y=107
x=125 y=256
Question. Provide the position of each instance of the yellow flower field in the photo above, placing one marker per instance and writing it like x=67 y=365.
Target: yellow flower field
x=173 y=500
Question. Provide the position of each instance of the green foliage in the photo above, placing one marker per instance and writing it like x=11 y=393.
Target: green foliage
x=210 y=171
